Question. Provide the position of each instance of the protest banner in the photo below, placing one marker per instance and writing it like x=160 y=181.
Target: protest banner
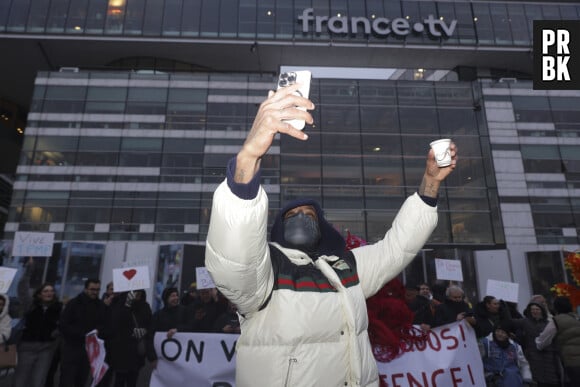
x=32 y=244
x=450 y=357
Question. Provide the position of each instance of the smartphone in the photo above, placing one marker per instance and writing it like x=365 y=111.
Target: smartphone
x=302 y=77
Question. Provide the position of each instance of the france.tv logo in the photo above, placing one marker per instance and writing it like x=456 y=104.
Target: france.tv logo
x=556 y=54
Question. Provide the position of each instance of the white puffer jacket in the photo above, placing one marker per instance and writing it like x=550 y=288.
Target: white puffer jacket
x=311 y=332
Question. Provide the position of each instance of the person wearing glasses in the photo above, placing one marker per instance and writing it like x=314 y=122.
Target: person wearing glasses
x=81 y=315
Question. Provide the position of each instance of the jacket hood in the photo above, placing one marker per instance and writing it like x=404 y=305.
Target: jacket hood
x=4 y=312
x=331 y=242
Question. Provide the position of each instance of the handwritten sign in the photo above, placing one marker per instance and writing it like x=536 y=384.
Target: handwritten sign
x=507 y=291
x=131 y=278
x=204 y=280
x=33 y=244
x=448 y=269
x=6 y=277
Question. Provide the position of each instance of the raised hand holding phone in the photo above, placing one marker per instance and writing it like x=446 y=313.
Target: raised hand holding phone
x=302 y=78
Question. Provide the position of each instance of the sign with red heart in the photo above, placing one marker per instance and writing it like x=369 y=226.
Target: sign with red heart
x=129 y=274
x=131 y=278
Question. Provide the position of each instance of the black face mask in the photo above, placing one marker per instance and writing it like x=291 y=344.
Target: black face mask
x=302 y=232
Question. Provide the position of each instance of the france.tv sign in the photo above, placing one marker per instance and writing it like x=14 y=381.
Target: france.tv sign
x=556 y=54
x=380 y=26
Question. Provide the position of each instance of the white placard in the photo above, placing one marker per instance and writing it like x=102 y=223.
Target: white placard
x=507 y=291
x=203 y=279
x=33 y=244
x=6 y=277
x=448 y=269
x=131 y=278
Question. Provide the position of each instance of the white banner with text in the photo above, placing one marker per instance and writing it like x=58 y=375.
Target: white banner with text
x=450 y=357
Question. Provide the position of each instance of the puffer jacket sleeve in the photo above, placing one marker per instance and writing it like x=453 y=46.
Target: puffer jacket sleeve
x=380 y=262
x=237 y=253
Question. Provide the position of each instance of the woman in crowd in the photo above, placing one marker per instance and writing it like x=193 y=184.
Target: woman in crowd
x=544 y=364
x=130 y=318
x=504 y=362
x=488 y=313
x=39 y=338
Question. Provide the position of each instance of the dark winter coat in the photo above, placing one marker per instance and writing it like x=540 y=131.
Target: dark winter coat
x=485 y=321
x=545 y=363
x=80 y=316
x=124 y=355
x=41 y=322
x=447 y=312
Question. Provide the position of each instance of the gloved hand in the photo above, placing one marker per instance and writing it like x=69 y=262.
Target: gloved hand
x=139 y=333
x=130 y=298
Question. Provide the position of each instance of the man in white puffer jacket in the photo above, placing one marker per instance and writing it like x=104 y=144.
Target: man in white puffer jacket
x=301 y=298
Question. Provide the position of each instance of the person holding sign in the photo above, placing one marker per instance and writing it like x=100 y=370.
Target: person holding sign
x=302 y=297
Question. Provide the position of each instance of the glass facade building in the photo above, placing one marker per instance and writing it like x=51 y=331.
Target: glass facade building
x=135 y=107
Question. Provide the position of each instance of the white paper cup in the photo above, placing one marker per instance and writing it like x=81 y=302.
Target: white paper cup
x=441 y=150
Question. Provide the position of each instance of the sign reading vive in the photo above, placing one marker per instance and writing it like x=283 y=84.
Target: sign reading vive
x=380 y=26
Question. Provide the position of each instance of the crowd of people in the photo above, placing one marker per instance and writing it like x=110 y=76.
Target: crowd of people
x=540 y=347
x=53 y=336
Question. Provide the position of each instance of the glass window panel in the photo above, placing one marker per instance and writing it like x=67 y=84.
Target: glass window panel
x=135 y=12
x=570 y=152
x=465 y=27
x=544 y=152
x=247 y=19
x=519 y=24
x=182 y=145
x=380 y=170
x=177 y=216
x=228 y=15
x=210 y=18
x=99 y=143
x=551 y=12
x=172 y=17
x=343 y=169
x=418 y=120
x=447 y=12
x=4 y=11
x=56 y=143
x=88 y=214
x=379 y=119
x=286 y=19
x=105 y=107
x=341 y=144
x=191 y=18
x=266 y=18
x=501 y=24
x=97 y=93
x=531 y=109
x=57 y=15
x=96 y=16
x=301 y=170
x=456 y=122
x=77 y=15
x=153 y=17
x=141 y=144
x=339 y=118
x=37 y=16
x=82 y=261
x=483 y=23
x=343 y=197
x=377 y=93
x=339 y=91
x=546 y=269
x=147 y=94
x=377 y=224
x=414 y=94
x=18 y=15
x=470 y=227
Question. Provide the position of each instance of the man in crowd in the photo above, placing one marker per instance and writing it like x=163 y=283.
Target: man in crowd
x=564 y=330
x=81 y=315
x=302 y=297
x=454 y=308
